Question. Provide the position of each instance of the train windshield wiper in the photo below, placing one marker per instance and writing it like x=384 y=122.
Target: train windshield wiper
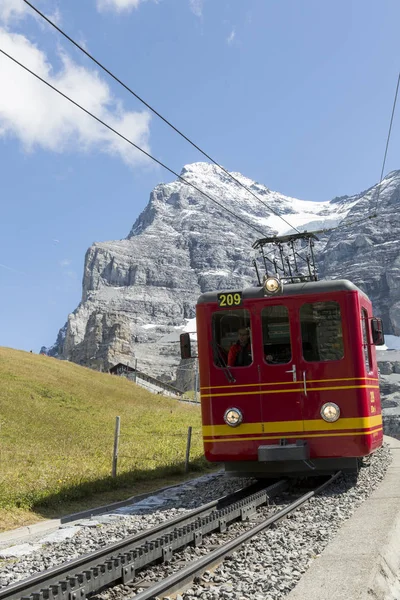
x=219 y=360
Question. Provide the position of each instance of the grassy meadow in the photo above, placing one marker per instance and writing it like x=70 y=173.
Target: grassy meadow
x=57 y=423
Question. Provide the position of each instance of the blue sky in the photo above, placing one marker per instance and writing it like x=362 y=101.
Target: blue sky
x=296 y=94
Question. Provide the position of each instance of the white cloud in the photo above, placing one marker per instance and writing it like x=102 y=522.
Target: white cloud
x=39 y=117
x=118 y=5
x=69 y=273
x=231 y=36
x=16 y=10
x=54 y=16
x=12 y=9
x=196 y=6
x=11 y=269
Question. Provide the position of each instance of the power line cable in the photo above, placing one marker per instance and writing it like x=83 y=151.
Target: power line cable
x=374 y=215
x=131 y=143
x=153 y=110
x=388 y=139
x=106 y=70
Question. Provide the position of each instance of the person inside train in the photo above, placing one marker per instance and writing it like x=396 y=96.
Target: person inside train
x=240 y=353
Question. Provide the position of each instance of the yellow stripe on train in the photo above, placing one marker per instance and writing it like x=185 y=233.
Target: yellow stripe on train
x=303 y=436
x=247 y=385
x=297 y=389
x=293 y=426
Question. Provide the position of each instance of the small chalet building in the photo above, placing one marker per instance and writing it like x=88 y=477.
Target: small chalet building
x=121 y=369
x=147 y=381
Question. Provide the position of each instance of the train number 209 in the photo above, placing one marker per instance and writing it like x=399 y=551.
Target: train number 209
x=230 y=299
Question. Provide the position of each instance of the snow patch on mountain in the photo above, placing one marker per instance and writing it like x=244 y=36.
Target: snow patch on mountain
x=139 y=293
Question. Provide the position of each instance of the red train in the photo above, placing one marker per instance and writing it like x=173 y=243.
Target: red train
x=297 y=392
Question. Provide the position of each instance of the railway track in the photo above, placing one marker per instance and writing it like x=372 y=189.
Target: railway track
x=120 y=562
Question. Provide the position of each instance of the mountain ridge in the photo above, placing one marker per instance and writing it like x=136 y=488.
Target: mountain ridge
x=138 y=290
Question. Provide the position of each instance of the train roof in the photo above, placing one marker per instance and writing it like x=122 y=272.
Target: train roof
x=289 y=289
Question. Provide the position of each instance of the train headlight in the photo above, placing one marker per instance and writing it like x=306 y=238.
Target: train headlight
x=272 y=285
x=233 y=417
x=330 y=412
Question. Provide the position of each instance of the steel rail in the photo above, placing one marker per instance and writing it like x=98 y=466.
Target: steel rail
x=119 y=562
x=177 y=581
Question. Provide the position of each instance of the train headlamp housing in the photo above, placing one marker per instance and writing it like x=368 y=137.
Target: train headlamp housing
x=330 y=412
x=272 y=285
x=233 y=417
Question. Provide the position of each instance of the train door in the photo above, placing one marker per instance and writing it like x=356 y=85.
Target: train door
x=371 y=403
x=327 y=370
x=280 y=379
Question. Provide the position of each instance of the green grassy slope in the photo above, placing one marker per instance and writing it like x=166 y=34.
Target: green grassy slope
x=57 y=430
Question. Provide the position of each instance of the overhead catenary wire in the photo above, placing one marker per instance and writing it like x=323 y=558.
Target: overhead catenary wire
x=388 y=139
x=106 y=70
x=158 y=114
x=131 y=143
x=374 y=214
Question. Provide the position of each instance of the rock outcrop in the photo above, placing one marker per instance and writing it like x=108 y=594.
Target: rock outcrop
x=367 y=251
x=138 y=292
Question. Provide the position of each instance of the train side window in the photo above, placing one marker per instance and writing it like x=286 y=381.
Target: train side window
x=276 y=335
x=226 y=326
x=321 y=331
x=366 y=343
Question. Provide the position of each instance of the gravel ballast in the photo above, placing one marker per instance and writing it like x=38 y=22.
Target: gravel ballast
x=266 y=568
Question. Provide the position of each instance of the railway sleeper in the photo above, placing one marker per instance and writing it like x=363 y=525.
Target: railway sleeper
x=124 y=566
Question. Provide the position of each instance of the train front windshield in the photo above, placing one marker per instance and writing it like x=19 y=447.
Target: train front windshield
x=321 y=331
x=226 y=326
x=320 y=324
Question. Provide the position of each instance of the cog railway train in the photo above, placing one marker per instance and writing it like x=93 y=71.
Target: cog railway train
x=288 y=371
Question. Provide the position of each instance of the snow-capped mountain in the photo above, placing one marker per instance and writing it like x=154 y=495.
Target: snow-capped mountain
x=139 y=292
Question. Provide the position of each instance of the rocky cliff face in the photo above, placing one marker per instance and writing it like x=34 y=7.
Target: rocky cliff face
x=139 y=292
x=368 y=251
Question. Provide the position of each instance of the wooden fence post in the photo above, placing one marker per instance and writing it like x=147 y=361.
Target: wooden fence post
x=189 y=438
x=116 y=440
